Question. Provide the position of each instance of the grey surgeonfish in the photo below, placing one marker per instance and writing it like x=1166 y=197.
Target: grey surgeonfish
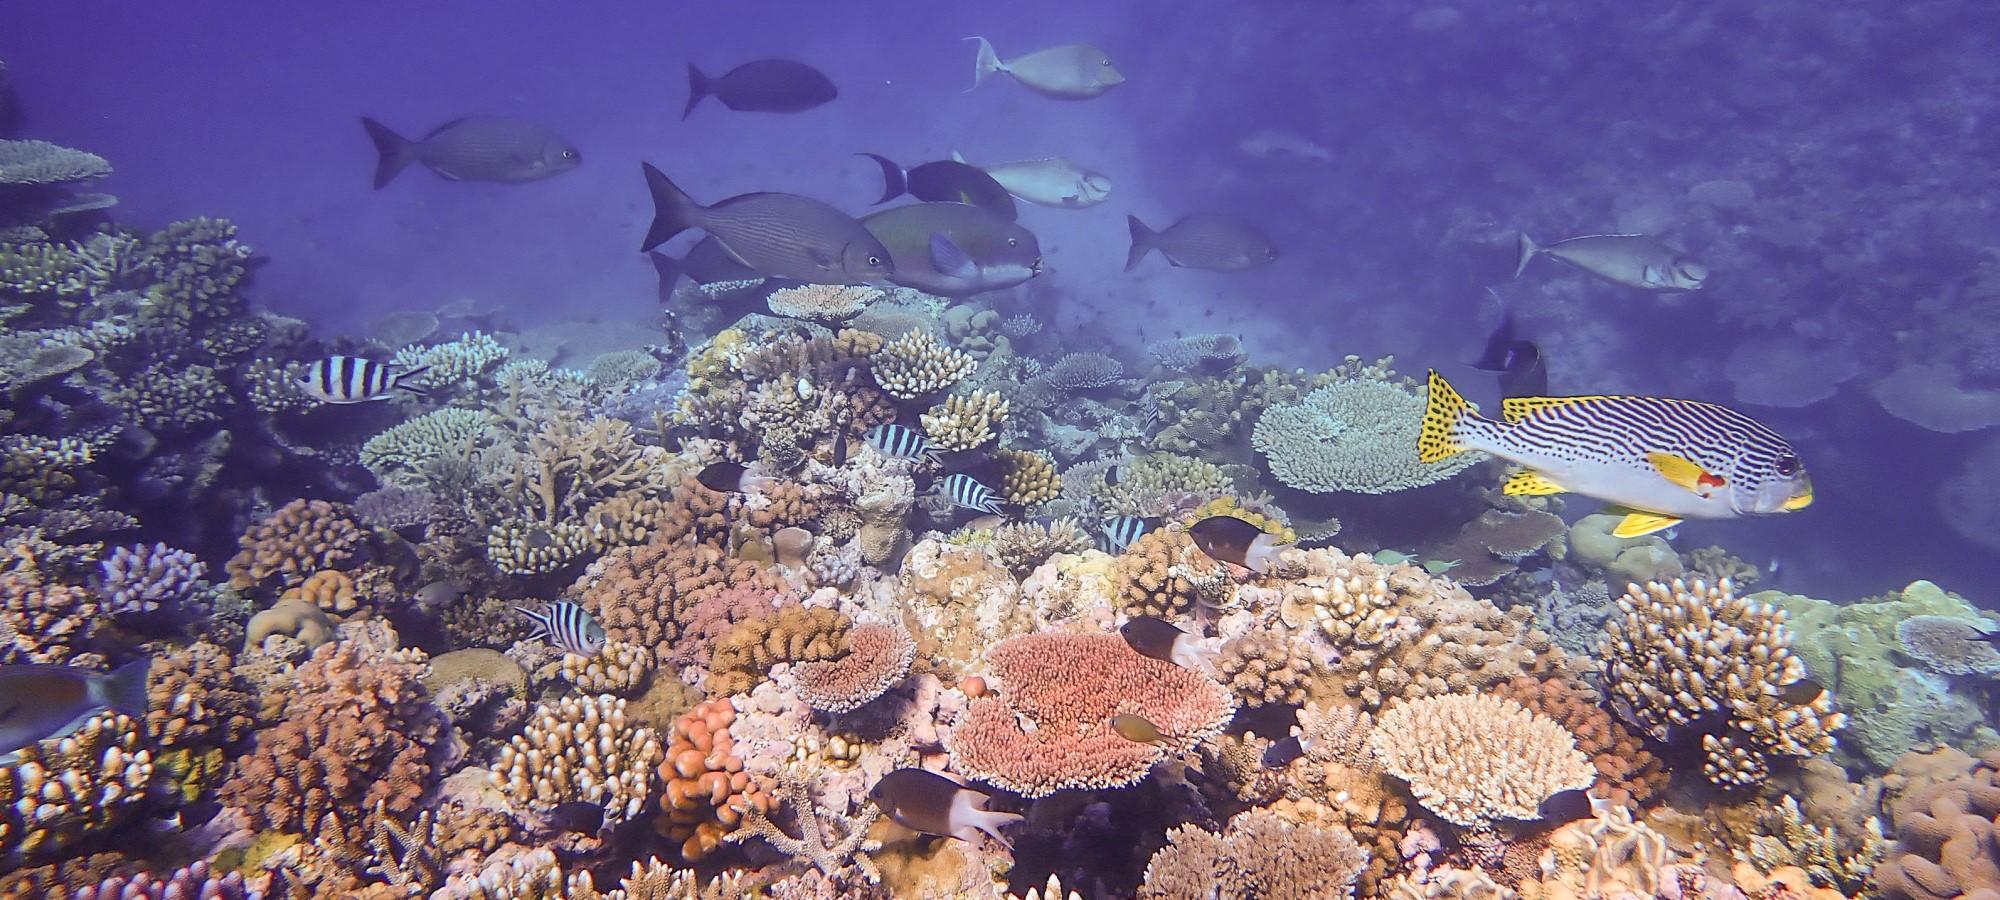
x=1051 y=181
x=947 y=181
x=779 y=235
x=1202 y=241
x=38 y=702
x=764 y=85
x=475 y=148
x=1634 y=260
x=707 y=263
x=955 y=249
x=922 y=800
x=1068 y=72
x=567 y=626
x=351 y=379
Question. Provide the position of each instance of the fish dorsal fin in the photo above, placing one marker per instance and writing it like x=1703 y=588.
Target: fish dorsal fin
x=1639 y=523
x=1684 y=472
x=1514 y=409
x=1530 y=483
x=444 y=128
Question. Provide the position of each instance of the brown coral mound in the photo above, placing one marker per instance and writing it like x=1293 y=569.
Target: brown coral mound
x=302 y=537
x=194 y=699
x=643 y=595
x=1259 y=854
x=1067 y=688
x=43 y=620
x=1146 y=577
x=1627 y=773
x=795 y=634
x=1265 y=666
x=61 y=793
x=1945 y=839
x=1027 y=478
x=707 y=791
x=878 y=656
x=356 y=732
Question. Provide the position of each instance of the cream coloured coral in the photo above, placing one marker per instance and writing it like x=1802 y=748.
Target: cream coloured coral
x=966 y=421
x=917 y=364
x=581 y=749
x=1475 y=758
x=822 y=302
x=1358 y=435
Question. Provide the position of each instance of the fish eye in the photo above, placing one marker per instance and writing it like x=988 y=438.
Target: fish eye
x=874 y=260
x=1788 y=465
x=569 y=154
x=1013 y=242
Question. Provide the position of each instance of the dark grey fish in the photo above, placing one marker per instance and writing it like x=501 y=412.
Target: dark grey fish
x=922 y=800
x=568 y=626
x=1282 y=753
x=475 y=148
x=728 y=477
x=38 y=702
x=1519 y=362
x=707 y=263
x=351 y=379
x=1568 y=806
x=948 y=181
x=579 y=816
x=764 y=85
x=1801 y=692
x=779 y=235
x=1202 y=241
x=1236 y=542
x=1154 y=637
x=955 y=249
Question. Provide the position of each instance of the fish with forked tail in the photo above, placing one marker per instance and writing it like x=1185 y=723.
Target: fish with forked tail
x=945 y=181
x=1662 y=460
x=1634 y=260
x=38 y=702
x=1050 y=181
x=779 y=235
x=1228 y=539
x=1201 y=241
x=1067 y=72
x=474 y=148
x=763 y=85
x=922 y=800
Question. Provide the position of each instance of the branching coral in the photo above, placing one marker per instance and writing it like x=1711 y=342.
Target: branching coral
x=1027 y=478
x=195 y=699
x=1473 y=758
x=1258 y=854
x=794 y=634
x=1266 y=666
x=1050 y=729
x=833 y=858
x=1156 y=576
x=454 y=365
x=62 y=792
x=877 y=657
x=198 y=264
x=965 y=421
x=1022 y=546
x=1357 y=435
x=581 y=749
x=142 y=579
x=300 y=538
x=917 y=365
x=403 y=454
x=643 y=595
x=1829 y=856
x=1198 y=351
x=1683 y=653
x=1081 y=372
x=1627 y=773
x=617 y=668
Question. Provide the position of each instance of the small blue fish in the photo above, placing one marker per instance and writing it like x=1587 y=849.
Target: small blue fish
x=567 y=626
x=966 y=492
x=39 y=702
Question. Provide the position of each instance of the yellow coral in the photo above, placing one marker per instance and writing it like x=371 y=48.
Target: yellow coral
x=794 y=634
x=1228 y=505
x=1027 y=478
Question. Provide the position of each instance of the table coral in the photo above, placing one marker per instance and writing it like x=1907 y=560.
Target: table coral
x=1198 y=351
x=822 y=302
x=707 y=792
x=64 y=791
x=40 y=162
x=1353 y=436
x=917 y=364
x=878 y=655
x=300 y=538
x=1081 y=372
x=1681 y=653
x=581 y=749
x=965 y=421
x=1050 y=728
x=1947 y=645
x=401 y=454
x=1473 y=758
x=356 y=732
x=1258 y=854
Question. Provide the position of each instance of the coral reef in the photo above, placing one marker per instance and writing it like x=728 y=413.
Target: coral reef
x=581 y=749
x=706 y=793
x=918 y=365
x=300 y=538
x=965 y=421
x=1258 y=854
x=876 y=658
x=1473 y=759
x=822 y=302
x=1354 y=436
x=1027 y=478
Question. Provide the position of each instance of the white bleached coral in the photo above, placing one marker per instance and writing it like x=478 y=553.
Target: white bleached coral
x=917 y=364
x=581 y=748
x=822 y=302
x=399 y=454
x=1476 y=758
x=456 y=363
x=40 y=162
x=1357 y=435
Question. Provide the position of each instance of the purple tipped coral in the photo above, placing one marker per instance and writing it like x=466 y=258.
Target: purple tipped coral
x=142 y=579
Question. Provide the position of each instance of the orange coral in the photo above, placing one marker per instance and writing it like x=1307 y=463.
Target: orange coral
x=1627 y=774
x=707 y=790
x=302 y=537
x=793 y=634
x=877 y=656
x=331 y=590
x=194 y=699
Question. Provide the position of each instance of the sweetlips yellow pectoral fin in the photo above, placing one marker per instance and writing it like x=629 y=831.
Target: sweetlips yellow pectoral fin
x=1684 y=472
x=1530 y=483
x=1638 y=523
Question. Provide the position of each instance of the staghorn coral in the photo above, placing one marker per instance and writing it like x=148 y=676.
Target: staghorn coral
x=1027 y=478
x=301 y=537
x=64 y=791
x=618 y=668
x=832 y=858
x=142 y=579
x=1357 y=435
x=172 y=398
x=1627 y=773
x=1265 y=666
x=357 y=733
x=795 y=634
x=1259 y=853
x=1947 y=645
x=917 y=365
x=706 y=791
x=1830 y=856
x=877 y=657
x=1198 y=351
x=822 y=302
x=1474 y=758
x=1050 y=728
x=965 y=421
x=1081 y=372
x=458 y=365
x=581 y=749
x=1681 y=653
x=403 y=454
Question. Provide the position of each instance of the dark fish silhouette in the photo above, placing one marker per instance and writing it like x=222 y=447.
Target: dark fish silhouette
x=732 y=477
x=955 y=249
x=1801 y=692
x=1234 y=541
x=922 y=800
x=1568 y=806
x=474 y=148
x=945 y=180
x=780 y=235
x=1282 y=753
x=764 y=85
x=1990 y=637
x=1518 y=361
x=1201 y=241
x=707 y=263
x=1154 y=637
x=579 y=816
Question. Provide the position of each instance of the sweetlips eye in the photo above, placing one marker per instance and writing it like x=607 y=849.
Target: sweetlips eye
x=1788 y=465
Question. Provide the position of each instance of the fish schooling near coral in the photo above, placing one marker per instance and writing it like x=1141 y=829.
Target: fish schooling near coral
x=1661 y=460
x=955 y=249
x=779 y=235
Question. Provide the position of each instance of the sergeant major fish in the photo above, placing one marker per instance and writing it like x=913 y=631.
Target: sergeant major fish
x=900 y=442
x=1050 y=181
x=474 y=148
x=1068 y=72
x=1117 y=533
x=965 y=492
x=1661 y=460
x=1634 y=260
x=567 y=626
x=1201 y=241
x=779 y=235
x=38 y=702
x=955 y=249
x=351 y=379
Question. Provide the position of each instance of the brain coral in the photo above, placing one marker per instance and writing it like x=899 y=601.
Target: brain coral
x=1050 y=728
x=1357 y=435
x=1475 y=758
x=1944 y=831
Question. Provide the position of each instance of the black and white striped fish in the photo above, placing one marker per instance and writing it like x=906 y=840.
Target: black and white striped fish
x=1118 y=533
x=351 y=379
x=1661 y=460
x=566 y=626
x=966 y=492
x=901 y=442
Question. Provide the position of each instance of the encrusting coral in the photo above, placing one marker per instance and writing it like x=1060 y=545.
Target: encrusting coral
x=1474 y=759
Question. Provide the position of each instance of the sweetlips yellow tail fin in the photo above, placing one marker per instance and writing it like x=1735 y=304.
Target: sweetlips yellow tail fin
x=1530 y=483
x=1445 y=412
x=1638 y=523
